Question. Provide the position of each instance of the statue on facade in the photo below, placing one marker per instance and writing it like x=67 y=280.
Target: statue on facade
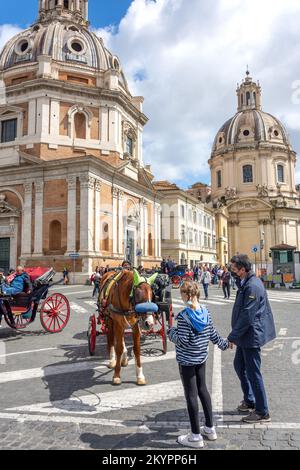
x=262 y=190
x=231 y=193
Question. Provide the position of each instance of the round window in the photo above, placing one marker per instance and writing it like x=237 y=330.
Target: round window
x=22 y=47
x=246 y=133
x=276 y=133
x=220 y=140
x=77 y=47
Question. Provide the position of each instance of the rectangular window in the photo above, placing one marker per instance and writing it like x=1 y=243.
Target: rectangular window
x=182 y=211
x=8 y=130
x=247 y=174
x=129 y=146
x=219 y=178
x=280 y=174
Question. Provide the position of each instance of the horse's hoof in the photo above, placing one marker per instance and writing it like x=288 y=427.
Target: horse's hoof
x=116 y=381
x=141 y=382
x=112 y=365
x=124 y=363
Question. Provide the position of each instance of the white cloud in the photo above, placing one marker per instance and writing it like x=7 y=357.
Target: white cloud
x=7 y=31
x=186 y=56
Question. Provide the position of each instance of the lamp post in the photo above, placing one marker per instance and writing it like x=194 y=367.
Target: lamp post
x=262 y=245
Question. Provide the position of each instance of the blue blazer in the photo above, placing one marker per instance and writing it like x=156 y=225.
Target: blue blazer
x=252 y=320
x=18 y=285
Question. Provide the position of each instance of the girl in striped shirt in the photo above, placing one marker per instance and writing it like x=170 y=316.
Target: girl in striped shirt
x=191 y=336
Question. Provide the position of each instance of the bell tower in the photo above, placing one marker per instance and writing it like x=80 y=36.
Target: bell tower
x=72 y=10
x=249 y=94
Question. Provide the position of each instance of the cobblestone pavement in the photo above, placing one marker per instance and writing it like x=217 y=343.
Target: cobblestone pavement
x=55 y=396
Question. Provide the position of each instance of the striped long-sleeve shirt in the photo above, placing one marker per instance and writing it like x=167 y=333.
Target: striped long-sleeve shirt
x=192 y=346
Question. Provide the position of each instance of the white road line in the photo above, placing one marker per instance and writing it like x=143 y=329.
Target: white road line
x=47 y=371
x=107 y=402
x=75 y=293
x=27 y=352
x=91 y=303
x=217 y=389
x=77 y=308
x=282 y=332
x=151 y=425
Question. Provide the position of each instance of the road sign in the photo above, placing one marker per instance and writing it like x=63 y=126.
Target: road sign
x=74 y=255
x=139 y=252
x=255 y=249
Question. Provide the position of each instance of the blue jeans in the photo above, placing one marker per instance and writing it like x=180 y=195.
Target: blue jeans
x=247 y=364
x=205 y=287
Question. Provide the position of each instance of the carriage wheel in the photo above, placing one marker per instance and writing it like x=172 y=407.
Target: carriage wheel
x=19 y=322
x=187 y=277
x=176 y=281
x=92 y=334
x=55 y=313
x=163 y=332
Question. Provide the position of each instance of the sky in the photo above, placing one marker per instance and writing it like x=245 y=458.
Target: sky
x=186 y=57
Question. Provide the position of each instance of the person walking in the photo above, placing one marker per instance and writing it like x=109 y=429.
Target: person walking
x=96 y=280
x=252 y=327
x=205 y=281
x=66 y=276
x=191 y=337
x=196 y=272
x=226 y=281
x=219 y=274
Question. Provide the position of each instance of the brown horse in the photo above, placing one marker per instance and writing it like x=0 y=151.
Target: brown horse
x=118 y=304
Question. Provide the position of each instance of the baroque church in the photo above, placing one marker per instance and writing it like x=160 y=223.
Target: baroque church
x=254 y=191
x=72 y=177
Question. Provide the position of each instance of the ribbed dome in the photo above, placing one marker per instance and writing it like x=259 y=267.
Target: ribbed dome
x=62 y=42
x=251 y=126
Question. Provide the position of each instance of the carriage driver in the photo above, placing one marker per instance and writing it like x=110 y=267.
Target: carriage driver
x=20 y=283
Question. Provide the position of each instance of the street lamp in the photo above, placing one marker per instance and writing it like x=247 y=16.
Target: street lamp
x=262 y=245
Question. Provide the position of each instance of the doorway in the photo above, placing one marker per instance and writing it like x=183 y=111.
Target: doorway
x=4 y=254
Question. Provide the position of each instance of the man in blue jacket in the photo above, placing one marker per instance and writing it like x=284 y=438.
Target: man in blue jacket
x=20 y=283
x=252 y=327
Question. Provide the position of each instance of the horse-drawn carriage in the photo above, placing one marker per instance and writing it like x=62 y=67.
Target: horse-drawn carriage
x=179 y=274
x=127 y=300
x=21 y=309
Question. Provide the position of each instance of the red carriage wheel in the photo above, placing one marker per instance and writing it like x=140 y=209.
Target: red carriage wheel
x=92 y=335
x=187 y=277
x=55 y=313
x=19 y=321
x=176 y=281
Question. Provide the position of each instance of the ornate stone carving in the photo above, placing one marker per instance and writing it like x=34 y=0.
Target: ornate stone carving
x=115 y=192
x=28 y=187
x=230 y=193
x=71 y=181
x=233 y=223
x=262 y=190
x=87 y=182
x=39 y=186
x=121 y=195
x=264 y=221
x=98 y=185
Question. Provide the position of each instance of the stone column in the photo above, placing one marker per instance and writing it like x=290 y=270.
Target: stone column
x=27 y=220
x=142 y=226
x=121 y=227
x=87 y=186
x=146 y=227
x=159 y=230
x=71 y=234
x=155 y=231
x=38 y=218
x=115 y=193
x=98 y=185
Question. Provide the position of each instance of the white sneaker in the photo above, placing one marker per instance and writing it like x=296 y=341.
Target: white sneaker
x=188 y=441
x=210 y=433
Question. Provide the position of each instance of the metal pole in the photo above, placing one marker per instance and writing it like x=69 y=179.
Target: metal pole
x=74 y=267
x=255 y=262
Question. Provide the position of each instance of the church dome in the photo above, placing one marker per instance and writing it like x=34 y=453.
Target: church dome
x=250 y=125
x=61 y=33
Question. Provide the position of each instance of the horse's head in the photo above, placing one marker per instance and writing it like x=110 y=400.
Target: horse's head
x=142 y=297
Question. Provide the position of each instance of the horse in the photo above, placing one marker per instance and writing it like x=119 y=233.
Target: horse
x=121 y=296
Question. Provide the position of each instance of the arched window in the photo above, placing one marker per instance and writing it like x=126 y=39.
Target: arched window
x=280 y=173
x=248 y=98
x=129 y=145
x=55 y=236
x=105 y=237
x=79 y=126
x=254 y=97
x=150 y=244
x=219 y=179
x=247 y=174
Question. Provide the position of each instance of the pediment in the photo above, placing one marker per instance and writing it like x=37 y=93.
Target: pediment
x=7 y=110
x=246 y=205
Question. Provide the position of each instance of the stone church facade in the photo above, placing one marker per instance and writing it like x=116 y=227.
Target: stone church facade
x=72 y=177
x=253 y=179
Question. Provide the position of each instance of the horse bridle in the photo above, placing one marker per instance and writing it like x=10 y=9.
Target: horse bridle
x=132 y=302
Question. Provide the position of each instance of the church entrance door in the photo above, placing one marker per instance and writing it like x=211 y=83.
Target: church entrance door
x=4 y=254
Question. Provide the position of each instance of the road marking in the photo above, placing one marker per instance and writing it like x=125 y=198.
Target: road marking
x=139 y=425
x=91 y=303
x=78 y=292
x=78 y=308
x=282 y=332
x=44 y=372
x=28 y=352
x=108 y=402
x=217 y=390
